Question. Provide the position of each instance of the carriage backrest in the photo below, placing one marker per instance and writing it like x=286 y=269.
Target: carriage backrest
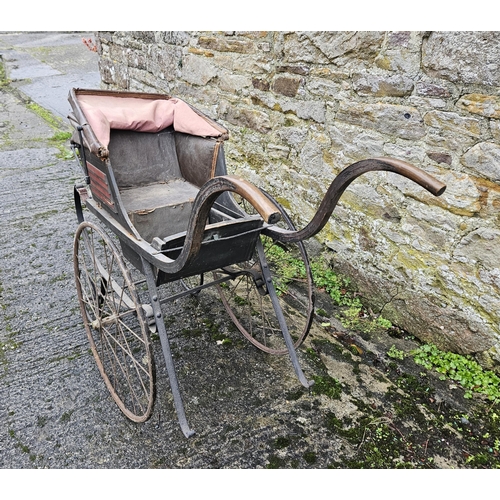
x=152 y=140
x=139 y=158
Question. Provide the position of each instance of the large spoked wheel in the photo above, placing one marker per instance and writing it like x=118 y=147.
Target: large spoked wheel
x=247 y=297
x=114 y=321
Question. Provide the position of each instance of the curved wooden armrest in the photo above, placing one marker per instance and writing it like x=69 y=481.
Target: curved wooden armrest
x=202 y=204
x=267 y=210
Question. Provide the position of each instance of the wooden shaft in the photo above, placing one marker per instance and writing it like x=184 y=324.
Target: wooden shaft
x=267 y=209
x=340 y=184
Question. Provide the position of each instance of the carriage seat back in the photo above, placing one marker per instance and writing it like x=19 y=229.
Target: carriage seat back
x=139 y=158
x=159 y=150
x=105 y=112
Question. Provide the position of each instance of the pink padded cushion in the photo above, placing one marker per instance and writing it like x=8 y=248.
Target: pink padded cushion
x=143 y=115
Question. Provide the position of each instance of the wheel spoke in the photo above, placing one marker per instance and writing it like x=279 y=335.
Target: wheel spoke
x=253 y=313
x=114 y=322
x=112 y=342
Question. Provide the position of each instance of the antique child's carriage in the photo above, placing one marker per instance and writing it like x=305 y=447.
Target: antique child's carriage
x=156 y=182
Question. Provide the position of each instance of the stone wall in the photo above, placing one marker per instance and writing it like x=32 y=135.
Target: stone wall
x=301 y=106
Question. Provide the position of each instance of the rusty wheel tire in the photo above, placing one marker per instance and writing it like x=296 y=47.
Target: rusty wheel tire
x=114 y=321
x=249 y=304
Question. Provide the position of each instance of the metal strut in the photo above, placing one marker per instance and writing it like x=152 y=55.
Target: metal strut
x=165 y=345
x=281 y=318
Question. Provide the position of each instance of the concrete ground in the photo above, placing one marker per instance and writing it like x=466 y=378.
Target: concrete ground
x=247 y=408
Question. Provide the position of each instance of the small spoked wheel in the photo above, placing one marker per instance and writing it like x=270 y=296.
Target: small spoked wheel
x=247 y=297
x=114 y=321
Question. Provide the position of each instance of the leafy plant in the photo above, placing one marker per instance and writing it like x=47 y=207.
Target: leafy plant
x=395 y=353
x=291 y=268
x=384 y=323
x=350 y=317
x=336 y=286
x=462 y=369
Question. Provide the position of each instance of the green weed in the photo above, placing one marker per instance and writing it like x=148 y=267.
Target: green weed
x=61 y=137
x=286 y=264
x=61 y=140
x=3 y=75
x=54 y=122
x=337 y=287
x=384 y=323
x=462 y=369
x=395 y=353
x=290 y=267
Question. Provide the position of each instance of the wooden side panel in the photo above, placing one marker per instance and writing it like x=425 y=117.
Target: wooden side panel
x=99 y=185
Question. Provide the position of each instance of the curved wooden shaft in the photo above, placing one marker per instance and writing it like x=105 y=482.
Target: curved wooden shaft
x=342 y=181
x=267 y=209
x=203 y=202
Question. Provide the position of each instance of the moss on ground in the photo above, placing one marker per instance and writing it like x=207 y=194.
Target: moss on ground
x=414 y=426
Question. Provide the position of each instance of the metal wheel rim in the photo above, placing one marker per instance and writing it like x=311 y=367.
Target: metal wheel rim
x=248 y=292
x=114 y=322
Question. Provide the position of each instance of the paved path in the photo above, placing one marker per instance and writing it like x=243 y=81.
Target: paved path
x=44 y=66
